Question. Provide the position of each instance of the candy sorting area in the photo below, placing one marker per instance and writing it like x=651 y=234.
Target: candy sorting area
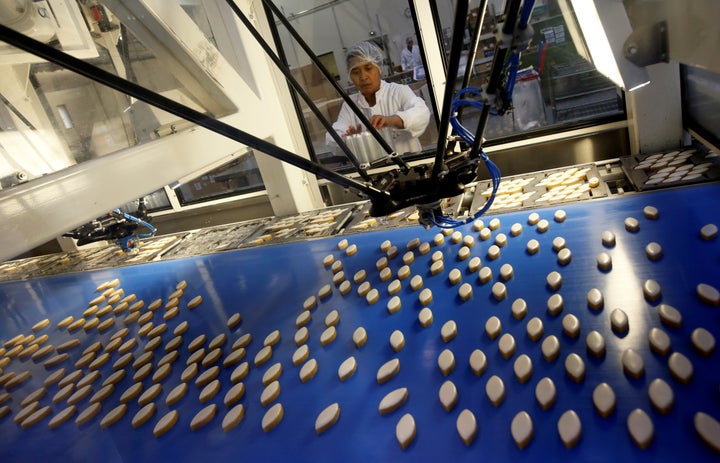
x=270 y=288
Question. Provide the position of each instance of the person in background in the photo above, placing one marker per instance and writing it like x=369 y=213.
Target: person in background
x=385 y=104
x=410 y=56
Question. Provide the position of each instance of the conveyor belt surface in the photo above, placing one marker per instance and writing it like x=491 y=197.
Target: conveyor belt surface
x=269 y=285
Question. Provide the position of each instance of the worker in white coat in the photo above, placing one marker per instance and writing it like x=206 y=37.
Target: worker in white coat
x=410 y=56
x=387 y=105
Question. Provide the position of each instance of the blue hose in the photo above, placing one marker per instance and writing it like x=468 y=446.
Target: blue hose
x=514 y=63
x=129 y=243
x=525 y=13
x=469 y=138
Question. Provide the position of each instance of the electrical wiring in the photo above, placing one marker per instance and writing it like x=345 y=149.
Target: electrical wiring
x=130 y=242
x=468 y=137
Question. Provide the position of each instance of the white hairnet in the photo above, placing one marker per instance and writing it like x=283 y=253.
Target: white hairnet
x=367 y=52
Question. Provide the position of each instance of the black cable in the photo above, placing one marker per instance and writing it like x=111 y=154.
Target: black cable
x=60 y=58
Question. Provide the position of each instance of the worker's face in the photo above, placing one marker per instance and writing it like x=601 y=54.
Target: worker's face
x=366 y=76
x=410 y=44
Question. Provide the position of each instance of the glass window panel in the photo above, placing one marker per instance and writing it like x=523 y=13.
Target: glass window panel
x=155 y=201
x=329 y=29
x=53 y=118
x=236 y=177
x=558 y=88
x=702 y=101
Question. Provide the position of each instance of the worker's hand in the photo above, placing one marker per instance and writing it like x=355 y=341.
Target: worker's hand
x=353 y=129
x=379 y=122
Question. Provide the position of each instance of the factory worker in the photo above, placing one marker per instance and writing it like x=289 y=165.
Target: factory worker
x=387 y=105
x=410 y=56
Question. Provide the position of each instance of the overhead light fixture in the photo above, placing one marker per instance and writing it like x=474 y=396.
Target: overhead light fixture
x=605 y=27
x=65 y=116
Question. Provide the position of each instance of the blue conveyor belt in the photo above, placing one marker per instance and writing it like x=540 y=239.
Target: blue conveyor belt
x=268 y=285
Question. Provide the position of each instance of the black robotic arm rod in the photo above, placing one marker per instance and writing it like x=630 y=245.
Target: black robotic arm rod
x=511 y=14
x=474 y=43
x=455 y=51
x=60 y=58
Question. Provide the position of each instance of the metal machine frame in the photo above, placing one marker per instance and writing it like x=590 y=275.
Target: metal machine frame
x=425 y=186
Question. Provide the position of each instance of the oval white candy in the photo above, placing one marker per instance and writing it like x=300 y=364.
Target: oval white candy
x=388 y=370
x=703 y=341
x=405 y=430
x=555 y=304
x=604 y=399
x=425 y=297
x=652 y=290
x=448 y=331
x=521 y=429
x=397 y=340
x=533 y=246
x=595 y=344
x=641 y=428
x=680 y=367
x=661 y=395
x=347 y=368
x=550 y=348
x=554 y=280
x=708 y=428
x=570 y=428
x=535 y=328
x=507 y=345
x=328 y=336
x=499 y=291
x=575 y=367
x=478 y=362
x=359 y=337
x=425 y=317
x=523 y=368
x=670 y=316
x=394 y=304
x=519 y=308
x=466 y=426
x=595 y=299
x=327 y=418
x=708 y=294
x=608 y=239
x=275 y=414
x=446 y=362
x=545 y=393
x=448 y=395
x=485 y=274
x=393 y=400
x=495 y=390
x=465 y=291
x=619 y=321
x=633 y=363
x=308 y=370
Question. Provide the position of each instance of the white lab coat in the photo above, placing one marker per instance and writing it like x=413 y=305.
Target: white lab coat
x=410 y=59
x=391 y=99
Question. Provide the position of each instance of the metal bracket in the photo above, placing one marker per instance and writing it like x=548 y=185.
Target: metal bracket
x=647 y=45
